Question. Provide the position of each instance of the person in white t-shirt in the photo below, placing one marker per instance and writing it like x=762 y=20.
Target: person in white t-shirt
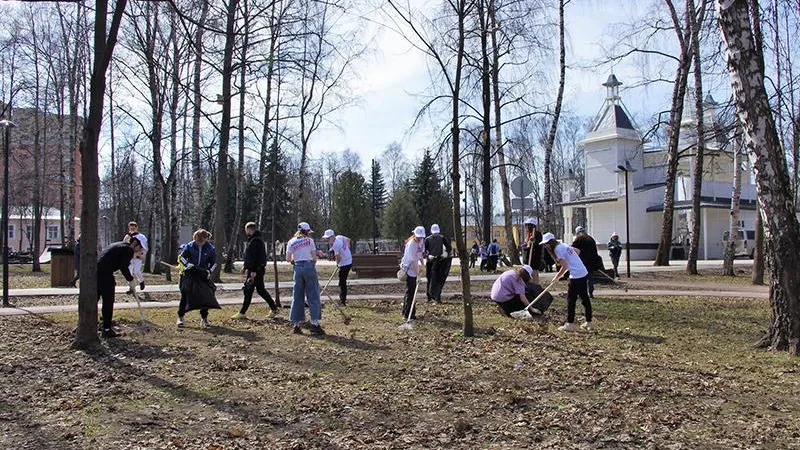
x=340 y=246
x=301 y=251
x=139 y=257
x=567 y=257
x=412 y=264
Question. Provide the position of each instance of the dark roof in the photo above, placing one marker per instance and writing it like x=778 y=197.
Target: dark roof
x=621 y=118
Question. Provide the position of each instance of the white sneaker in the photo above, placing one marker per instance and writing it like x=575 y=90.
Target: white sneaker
x=204 y=323
x=568 y=327
x=179 y=322
x=587 y=326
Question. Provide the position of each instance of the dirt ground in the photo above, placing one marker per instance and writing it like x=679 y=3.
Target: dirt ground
x=666 y=373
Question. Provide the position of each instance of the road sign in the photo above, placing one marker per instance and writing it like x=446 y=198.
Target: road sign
x=522 y=203
x=522 y=186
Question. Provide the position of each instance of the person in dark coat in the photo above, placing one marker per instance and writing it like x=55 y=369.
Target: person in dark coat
x=199 y=259
x=116 y=256
x=438 y=251
x=255 y=264
x=615 y=251
x=532 y=249
x=77 y=256
x=587 y=248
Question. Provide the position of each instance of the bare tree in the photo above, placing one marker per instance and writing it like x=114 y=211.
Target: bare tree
x=104 y=42
x=746 y=68
x=695 y=20
x=733 y=230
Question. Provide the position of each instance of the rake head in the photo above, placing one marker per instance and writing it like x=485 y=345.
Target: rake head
x=406 y=326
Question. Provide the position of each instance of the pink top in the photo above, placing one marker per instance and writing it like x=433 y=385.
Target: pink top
x=507 y=286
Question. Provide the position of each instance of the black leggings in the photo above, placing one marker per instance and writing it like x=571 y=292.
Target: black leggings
x=578 y=288
x=411 y=286
x=344 y=271
x=105 y=291
x=259 y=287
x=509 y=306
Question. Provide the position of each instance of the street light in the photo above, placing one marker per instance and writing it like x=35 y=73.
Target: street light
x=627 y=169
x=7 y=126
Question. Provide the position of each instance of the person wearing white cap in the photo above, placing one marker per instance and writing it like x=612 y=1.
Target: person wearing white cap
x=567 y=257
x=615 y=251
x=301 y=251
x=138 y=259
x=412 y=263
x=437 y=249
x=340 y=246
x=533 y=251
x=508 y=290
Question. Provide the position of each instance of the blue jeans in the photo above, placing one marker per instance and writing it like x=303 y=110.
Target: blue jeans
x=306 y=288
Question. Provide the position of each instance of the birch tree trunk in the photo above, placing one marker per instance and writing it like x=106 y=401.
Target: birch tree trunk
x=733 y=229
x=697 y=181
x=782 y=231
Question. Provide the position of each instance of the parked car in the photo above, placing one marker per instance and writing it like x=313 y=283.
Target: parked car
x=745 y=245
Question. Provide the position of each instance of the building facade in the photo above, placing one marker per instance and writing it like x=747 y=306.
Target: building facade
x=617 y=161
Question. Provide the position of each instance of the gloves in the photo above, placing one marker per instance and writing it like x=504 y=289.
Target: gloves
x=444 y=254
x=189 y=266
x=141 y=286
x=431 y=257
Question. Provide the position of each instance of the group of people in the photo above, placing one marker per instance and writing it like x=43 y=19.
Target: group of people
x=513 y=291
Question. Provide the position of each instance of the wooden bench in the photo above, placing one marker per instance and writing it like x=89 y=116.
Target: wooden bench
x=383 y=265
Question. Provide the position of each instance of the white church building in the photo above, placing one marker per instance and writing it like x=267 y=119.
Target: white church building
x=615 y=153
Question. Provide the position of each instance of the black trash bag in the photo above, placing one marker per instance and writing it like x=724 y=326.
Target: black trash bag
x=532 y=290
x=199 y=290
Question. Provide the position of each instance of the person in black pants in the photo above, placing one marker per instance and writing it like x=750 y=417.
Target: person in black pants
x=340 y=248
x=437 y=250
x=588 y=254
x=568 y=259
x=116 y=256
x=255 y=263
x=197 y=257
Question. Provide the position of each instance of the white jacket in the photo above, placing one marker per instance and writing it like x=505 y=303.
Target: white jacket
x=414 y=252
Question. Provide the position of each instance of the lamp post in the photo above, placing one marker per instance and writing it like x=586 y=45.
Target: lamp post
x=7 y=126
x=627 y=169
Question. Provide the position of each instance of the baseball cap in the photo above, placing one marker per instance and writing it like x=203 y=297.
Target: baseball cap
x=435 y=228
x=580 y=229
x=328 y=233
x=528 y=269
x=547 y=238
x=614 y=234
x=531 y=221
x=304 y=226
x=419 y=231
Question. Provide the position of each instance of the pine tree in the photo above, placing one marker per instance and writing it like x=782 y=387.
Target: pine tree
x=350 y=215
x=431 y=201
x=376 y=189
x=400 y=217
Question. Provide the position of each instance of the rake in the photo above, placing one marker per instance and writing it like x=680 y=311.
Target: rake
x=525 y=313
x=143 y=324
x=345 y=318
x=407 y=325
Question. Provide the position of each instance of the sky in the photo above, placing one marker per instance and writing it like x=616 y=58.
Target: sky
x=393 y=76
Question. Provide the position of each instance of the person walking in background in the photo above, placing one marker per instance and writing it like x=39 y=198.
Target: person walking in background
x=340 y=247
x=301 y=252
x=116 y=256
x=587 y=247
x=494 y=255
x=77 y=260
x=615 y=251
x=437 y=250
x=136 y=263
x=412 y=263
x=199 y=259
x=484 y=258
x=473 y=254
x=533 y=251
x=567 y=257
x=254 y=268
